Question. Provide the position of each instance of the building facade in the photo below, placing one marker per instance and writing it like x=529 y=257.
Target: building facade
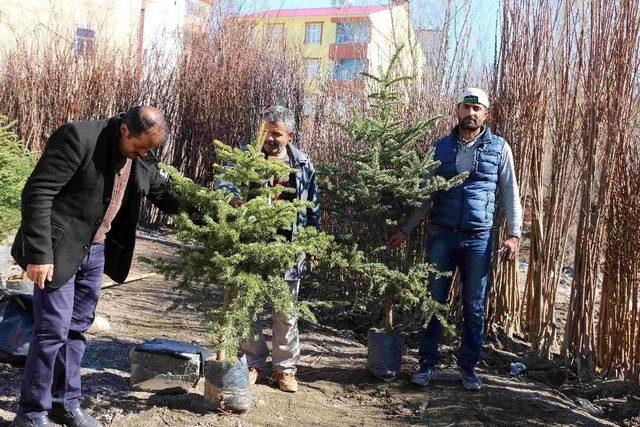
x=131 y=26
x=338 y=43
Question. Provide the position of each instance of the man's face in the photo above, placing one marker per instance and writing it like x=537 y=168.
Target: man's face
x=471 y=116
x=132 y=146
x=277 y=137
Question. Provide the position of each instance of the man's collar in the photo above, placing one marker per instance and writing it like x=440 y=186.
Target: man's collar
x=473 y=139
x=297 y=157
x=117 y=158
x=484 y=135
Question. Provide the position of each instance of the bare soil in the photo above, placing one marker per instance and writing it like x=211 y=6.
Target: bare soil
x=335 y=388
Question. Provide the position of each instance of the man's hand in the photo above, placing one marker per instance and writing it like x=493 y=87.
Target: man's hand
x=312 y=262
x=509 y=249
x=236 y=202
x=38 y=273
x=396 y=239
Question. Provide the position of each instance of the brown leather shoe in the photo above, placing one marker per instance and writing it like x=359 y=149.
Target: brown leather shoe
x=287 y=381
x=254 y=375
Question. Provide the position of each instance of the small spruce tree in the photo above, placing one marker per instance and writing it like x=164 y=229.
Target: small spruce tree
x=383 y=182
x=16 y=164
x=235 y=253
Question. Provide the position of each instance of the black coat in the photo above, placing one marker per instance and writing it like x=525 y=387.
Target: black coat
x=68 y=192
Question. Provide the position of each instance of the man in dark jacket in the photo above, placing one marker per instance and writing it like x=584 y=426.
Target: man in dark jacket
x=80 y=209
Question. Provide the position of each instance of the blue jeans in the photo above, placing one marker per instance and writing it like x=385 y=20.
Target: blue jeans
x=61 y=316
x=470 y=252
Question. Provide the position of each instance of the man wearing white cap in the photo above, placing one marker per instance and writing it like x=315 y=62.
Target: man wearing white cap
x=461 y=228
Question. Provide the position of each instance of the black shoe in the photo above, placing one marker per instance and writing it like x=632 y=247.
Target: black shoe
x=21 y=421
x=75 y=418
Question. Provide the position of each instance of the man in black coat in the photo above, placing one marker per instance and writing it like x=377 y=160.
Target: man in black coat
x=80 y=209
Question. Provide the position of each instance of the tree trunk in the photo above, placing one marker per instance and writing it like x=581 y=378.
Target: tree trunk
x=220 y=354
x=388 y=315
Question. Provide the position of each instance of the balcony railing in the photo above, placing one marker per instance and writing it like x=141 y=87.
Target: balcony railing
x=347 y=51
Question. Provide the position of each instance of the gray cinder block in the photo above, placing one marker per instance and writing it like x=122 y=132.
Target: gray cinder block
x=166 y=366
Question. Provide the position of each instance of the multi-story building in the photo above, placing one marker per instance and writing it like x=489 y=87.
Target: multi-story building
x=337 y=43
x=128 y=25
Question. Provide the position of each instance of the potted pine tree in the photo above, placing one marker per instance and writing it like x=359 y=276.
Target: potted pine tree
x=233 y=258
x=380 y=184
x=16 y=164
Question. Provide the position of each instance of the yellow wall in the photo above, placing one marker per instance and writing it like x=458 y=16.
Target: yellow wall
x=295 y=29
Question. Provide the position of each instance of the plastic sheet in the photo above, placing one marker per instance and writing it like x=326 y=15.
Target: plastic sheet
x=16 y=325
x=177 y=349
x=227 y=385
x=517 y=368
x=384 y=356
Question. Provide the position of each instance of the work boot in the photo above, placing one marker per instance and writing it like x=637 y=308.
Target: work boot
x=254 y=375
x=470 y=380
x=424 y=376
x=287 y=381
x=22 y=421
x=74 y=418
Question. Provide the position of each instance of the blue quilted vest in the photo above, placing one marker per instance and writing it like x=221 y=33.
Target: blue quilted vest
x=471 y=205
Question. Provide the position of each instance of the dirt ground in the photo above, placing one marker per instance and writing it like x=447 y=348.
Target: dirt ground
x=335 y=388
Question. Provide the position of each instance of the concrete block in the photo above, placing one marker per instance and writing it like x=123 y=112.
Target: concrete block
x=166 y=366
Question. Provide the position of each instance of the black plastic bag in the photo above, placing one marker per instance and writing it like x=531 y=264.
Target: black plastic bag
x=384 y=355
x=16 y=325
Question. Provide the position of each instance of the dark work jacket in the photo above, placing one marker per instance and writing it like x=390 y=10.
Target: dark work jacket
x=68 y=192
x=304 y=180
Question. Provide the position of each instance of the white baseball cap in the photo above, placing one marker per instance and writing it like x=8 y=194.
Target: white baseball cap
x=475 y=96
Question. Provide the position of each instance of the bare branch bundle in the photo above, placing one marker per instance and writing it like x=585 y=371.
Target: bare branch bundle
x=610 y=65
x=617 y=333
x=44 y=84
x=618 y=336
x=522 y=87
x=553 y=228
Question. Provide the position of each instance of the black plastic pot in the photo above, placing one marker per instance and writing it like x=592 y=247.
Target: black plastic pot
x=227 y=386
x=384 y=355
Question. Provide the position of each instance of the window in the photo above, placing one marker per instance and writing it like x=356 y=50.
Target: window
x=196 y=8
x=275 y=33
x=313 y=34
x=349 y=69
x=312 y=68
x=84 y=40
x=353 y=32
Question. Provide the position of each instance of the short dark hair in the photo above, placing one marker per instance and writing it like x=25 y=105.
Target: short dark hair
x=142 y=118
